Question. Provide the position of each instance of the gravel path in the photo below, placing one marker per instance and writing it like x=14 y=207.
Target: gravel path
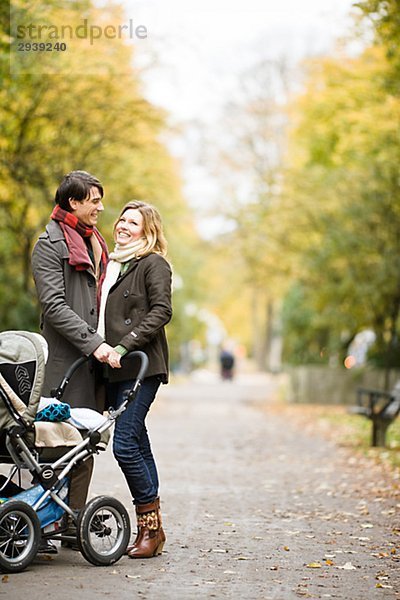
x=255 y=508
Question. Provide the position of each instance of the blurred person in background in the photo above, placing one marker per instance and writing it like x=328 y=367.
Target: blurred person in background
x=227 y=364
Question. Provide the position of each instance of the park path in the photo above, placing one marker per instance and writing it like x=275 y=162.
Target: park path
x=255 y=508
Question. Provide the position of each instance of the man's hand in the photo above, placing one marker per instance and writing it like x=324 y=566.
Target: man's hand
x=102 y=352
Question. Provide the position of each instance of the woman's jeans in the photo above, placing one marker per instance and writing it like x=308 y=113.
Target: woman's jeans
x=131 y=445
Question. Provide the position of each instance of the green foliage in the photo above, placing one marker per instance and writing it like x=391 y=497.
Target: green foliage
x=384 y=17
x=344 y=178
x=320 y=230
x=384 y=355
x=305 y=338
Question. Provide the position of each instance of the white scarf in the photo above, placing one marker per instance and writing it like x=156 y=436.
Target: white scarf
x=120 y=255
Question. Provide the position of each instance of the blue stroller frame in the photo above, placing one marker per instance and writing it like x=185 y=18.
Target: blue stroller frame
x=27 y=516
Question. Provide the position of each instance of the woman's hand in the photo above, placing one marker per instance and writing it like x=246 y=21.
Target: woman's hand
x=102 y=352
x=114 y=359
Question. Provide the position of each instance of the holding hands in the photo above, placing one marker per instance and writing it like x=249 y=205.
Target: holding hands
x=106 y=354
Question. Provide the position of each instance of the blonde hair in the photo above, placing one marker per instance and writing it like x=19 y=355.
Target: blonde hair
x=153 y=233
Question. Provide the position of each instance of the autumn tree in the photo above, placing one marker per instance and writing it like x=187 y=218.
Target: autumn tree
x=249 y=159
x=383 y=17
x=84 y=108
x=343 y=193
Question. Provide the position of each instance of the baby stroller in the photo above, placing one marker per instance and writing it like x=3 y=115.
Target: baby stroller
x=49 y=451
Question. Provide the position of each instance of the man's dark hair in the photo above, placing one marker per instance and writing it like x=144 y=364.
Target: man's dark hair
x=76 y=185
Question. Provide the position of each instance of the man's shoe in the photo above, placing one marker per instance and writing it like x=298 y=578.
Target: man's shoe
x=47 y=547
x=72 y=542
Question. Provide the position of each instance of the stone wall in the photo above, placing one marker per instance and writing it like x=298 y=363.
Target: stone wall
x=326 y=385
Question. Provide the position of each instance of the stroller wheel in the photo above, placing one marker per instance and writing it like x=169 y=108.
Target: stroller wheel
x=20 y=536
x=103 y=530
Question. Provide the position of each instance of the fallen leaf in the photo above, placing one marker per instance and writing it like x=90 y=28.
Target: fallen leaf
x=4 y=579
x=221 y=550
x=389 y=512
x=314 y=565
x=286 y=548
x=243 y=558
x=229 y=572
x=384 y=585
x=132 y=576
x=366 y=525
x=347 y=567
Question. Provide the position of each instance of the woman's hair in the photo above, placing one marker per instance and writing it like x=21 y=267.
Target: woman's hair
x=152 y=227
x=76 y=185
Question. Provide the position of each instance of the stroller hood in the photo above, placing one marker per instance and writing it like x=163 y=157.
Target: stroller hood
x=22 y=364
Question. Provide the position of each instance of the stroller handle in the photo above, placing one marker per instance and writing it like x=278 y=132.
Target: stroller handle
x=144 y=363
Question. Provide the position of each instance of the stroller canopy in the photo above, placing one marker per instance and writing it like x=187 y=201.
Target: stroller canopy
x=22 y=365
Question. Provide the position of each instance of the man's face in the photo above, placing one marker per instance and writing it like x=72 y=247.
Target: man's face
x=87 y=211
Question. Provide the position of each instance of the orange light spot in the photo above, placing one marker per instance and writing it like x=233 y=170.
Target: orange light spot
x=349 y=361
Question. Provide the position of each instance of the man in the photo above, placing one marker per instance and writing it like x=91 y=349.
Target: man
x=68 y=264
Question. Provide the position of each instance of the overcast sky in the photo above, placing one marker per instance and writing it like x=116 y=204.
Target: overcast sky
x=202 y=47
x=203 y=44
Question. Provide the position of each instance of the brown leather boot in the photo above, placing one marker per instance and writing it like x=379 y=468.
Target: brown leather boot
x=150 y=538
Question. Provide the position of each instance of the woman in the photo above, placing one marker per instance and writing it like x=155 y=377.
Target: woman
x=135 y=306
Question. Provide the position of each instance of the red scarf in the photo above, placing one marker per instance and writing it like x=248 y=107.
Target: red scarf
x=74 y=232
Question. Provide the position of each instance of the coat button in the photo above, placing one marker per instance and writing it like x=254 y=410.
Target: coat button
x=92 y=311
x=90 y=282
x=91 y=330
x=83 y=336
x=126 y=293
x=128 y=321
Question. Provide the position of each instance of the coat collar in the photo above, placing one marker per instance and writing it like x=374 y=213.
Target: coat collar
x=54 y=231
x=56 y=234
x=130 y=269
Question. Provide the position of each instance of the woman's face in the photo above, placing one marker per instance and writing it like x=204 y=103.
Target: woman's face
x=129 y=227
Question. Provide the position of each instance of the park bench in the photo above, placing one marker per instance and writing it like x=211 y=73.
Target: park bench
x=379 y=406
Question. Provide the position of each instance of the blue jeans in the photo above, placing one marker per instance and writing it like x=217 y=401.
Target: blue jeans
x=131 y=445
